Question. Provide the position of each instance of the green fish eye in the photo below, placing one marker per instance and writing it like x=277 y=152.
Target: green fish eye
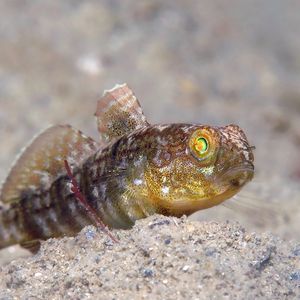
x=201 y=145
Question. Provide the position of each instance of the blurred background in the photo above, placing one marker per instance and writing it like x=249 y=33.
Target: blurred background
x=214 y=62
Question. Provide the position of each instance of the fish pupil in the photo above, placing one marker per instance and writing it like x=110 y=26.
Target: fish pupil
x=201 y=145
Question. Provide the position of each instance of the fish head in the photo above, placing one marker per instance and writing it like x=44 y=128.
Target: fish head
x=193 y=167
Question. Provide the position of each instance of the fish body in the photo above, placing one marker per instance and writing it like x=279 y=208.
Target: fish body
x=136 y=170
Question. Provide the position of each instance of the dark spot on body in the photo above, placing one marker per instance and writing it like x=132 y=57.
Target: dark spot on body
x=114 y=148
x=235 y=182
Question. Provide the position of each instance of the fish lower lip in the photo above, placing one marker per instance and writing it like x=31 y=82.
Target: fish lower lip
x=236 y=178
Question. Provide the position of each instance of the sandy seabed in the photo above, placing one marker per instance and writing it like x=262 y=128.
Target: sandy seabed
x=160 y=258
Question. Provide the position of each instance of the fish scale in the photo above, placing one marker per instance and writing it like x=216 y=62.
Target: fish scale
x=135 y=170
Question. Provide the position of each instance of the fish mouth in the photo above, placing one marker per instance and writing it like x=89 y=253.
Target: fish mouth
x=238 y=176
x=230 y=183
x=225 y=186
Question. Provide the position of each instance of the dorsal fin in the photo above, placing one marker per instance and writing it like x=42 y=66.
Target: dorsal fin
x=118 y=113
x=43 y=160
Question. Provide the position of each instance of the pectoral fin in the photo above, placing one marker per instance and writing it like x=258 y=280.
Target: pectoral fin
x=32 y=246
x=118 y=113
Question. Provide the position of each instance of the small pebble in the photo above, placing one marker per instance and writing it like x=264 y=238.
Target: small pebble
x=97 y=259
x=210 y=251
x=159 y=223
x=148 y=273
x=295 y=276
x=296 y=251
x=167 y=241
x=185 y=268
x=90 y=234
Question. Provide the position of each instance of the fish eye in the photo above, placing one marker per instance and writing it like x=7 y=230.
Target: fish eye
x=201 y=144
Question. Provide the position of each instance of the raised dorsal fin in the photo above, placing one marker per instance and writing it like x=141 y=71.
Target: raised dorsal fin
x=43 y=160
x=118 y=113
